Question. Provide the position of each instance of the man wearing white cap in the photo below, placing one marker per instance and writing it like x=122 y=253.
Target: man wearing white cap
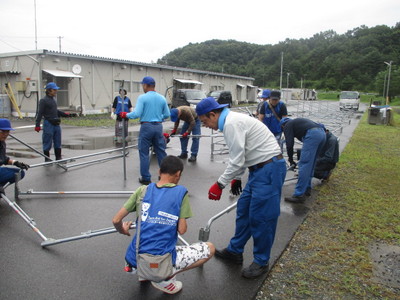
x=251 y=145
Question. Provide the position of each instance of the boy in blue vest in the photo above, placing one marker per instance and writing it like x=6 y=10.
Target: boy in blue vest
x=165 y=208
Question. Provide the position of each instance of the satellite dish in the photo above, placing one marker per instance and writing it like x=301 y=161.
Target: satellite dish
x=76 y=69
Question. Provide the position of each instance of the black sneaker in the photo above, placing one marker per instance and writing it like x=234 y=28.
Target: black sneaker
x=192 y=158
x=254 y=270
x=236 y=258
x=296 y=199
x=144 y=182
x=183 y=156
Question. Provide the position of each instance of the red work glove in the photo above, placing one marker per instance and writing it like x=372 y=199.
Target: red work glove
x=215 y=192
x=166 y=135
x=37 y=128
x=123 y=114
x=173 y=132
x=185 y=134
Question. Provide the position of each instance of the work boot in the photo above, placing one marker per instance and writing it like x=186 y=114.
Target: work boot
x=47 y=153
x=296 y=199
x=58 y=153
x=254 y=270
x=236 y=258
x=144 y=181
x=183 y=156
x=308 y=192
x=192 y=158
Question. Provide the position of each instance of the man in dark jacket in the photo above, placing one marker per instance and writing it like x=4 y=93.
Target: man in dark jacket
x=51 y=124
x=313 y=137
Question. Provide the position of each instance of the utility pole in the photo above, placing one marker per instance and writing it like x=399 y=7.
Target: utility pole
x=34 y=2
x=280 y=82
x=59 y=42
x=288 y=74
x=388 y=81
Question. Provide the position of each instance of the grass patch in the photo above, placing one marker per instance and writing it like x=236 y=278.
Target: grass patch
x=329 y=258
x=97 y=120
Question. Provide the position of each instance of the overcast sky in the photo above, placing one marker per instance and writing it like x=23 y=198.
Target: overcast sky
x=144 y=31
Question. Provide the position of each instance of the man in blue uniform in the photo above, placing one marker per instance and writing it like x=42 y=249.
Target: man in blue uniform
x=251 y=145
x=152 y=109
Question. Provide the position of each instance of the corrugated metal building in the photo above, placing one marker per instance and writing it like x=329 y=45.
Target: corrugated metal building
x=89 y=83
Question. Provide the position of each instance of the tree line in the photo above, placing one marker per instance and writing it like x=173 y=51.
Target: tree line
x=327 y=61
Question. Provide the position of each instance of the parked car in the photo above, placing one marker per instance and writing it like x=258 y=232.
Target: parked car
x=188 y=97
x=222 y=97
x=349 y=100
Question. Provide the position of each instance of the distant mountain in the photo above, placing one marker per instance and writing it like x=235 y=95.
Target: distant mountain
x=350 y=61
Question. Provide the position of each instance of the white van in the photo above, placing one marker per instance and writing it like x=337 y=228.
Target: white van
x=349 y=100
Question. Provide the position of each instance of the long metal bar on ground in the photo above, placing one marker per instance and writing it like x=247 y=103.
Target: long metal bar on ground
x=24 y=216
x=89 y=234
x=82 y=156
x=37 y=151
x=98 y=160
x=32 y=192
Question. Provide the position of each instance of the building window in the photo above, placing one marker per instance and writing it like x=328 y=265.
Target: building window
x=122 y=84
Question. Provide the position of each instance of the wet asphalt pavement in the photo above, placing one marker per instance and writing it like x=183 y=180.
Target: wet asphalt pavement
x=92 y=268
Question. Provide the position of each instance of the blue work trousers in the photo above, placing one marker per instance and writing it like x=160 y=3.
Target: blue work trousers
x=150 y=134
x=51 y=135
x=8 y=175
x=313 y=142
x=258 y=209
x=195 y=141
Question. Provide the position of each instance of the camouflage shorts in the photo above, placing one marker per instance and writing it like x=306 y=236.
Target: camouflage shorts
x=188 y=255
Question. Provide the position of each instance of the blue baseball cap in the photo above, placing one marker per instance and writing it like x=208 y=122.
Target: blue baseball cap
x=5 y=124
x=266 y=94
x=148 y=80
x=208 y=104
x=283 y=121
x=174 y=114
x=51 y=86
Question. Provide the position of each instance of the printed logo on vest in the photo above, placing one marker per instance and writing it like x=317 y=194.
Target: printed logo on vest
x=167 y=215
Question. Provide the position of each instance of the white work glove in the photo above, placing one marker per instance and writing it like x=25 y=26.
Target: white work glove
x=113 y=116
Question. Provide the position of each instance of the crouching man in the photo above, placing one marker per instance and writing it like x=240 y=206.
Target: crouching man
x=164 y=209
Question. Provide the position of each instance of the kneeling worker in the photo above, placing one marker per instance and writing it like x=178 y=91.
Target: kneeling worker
x=192 y=125
x=164 y=209
x=7 y=175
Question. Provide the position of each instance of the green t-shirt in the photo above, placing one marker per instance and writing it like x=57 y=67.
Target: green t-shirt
x=131 y=203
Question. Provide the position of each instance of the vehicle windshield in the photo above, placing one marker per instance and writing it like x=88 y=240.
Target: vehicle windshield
x=348 y=95
x=215 y=94
x=195 y=95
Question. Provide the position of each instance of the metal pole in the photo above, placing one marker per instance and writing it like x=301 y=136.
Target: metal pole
x=24 y=216
x=31 y=192
x=91 y=233
x=280 y=82
x=82 y=156
x=388 y=82
x=38 y=152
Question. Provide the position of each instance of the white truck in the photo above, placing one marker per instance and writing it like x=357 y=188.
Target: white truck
x=349 y=100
